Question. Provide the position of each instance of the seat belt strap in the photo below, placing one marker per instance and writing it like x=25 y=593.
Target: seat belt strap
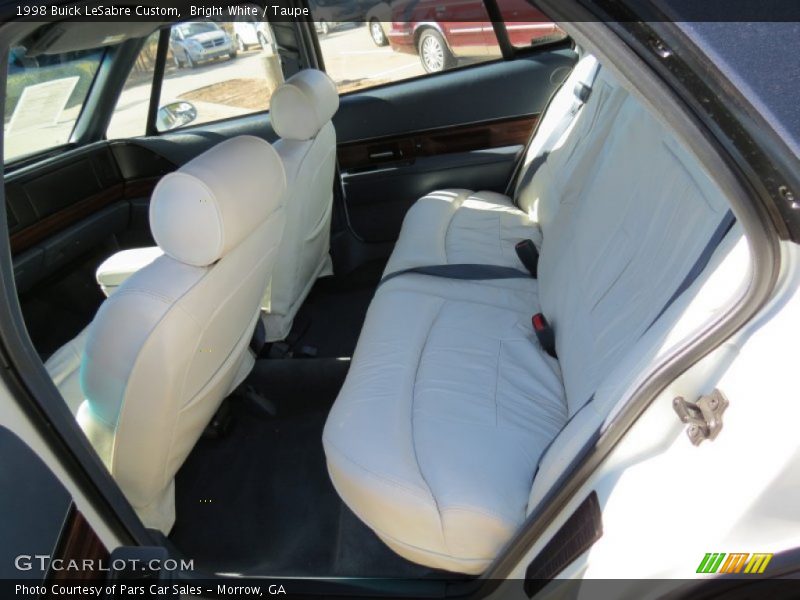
x=463 y=271
x=699 y=266
x=701 y=263
x=581 y=92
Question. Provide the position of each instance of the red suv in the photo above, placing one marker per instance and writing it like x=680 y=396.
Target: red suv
x=441 y=31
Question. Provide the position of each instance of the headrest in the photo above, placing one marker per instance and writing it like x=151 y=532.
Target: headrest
x=206 y=208
x=303 y=104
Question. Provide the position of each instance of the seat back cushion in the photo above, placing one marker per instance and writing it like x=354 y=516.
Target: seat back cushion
x=304 y=252
x=620 y=245
x=450 y=401
x=172 y=341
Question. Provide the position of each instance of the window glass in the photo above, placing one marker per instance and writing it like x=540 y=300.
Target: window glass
x=364 y=45
x=370 y=42
x=129 y=118
x=217 y=71
x=527 y=25
x=44 y=98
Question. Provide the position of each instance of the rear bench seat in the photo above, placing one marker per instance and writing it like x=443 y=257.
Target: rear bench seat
x=450 y=402
x=464 y=226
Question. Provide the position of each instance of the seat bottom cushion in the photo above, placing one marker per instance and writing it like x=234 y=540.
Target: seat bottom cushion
x=462 y=226
x=436 y=458
x=64 y=368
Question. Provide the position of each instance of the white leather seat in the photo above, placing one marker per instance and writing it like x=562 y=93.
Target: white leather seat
x=64 y=364
x=450 y=401
x=64 y=368
x=439 y=425
x=481 y=227
x=173 y=340
x=300 y=112
x=113 y=272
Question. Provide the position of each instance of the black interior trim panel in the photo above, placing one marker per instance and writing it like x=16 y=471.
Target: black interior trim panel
x=492 y=91
x=66 y=207
x=377 y=217
x=580 y=531
x=462 y=128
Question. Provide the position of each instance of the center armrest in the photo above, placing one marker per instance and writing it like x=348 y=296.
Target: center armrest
x=118 y=267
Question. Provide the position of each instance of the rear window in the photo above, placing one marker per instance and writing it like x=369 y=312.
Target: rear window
x=44 y=97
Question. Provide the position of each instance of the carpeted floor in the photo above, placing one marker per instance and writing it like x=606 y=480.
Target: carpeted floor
x=259 y=501
x=335 y=310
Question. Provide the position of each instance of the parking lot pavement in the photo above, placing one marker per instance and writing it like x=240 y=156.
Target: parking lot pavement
x=351 y=59
x=354 y=61
x=131 y=111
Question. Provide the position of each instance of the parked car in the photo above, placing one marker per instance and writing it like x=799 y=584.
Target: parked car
x=442 y=31
x=198 y=42
x=331 y=14
x=379 y=19
x=252 y=33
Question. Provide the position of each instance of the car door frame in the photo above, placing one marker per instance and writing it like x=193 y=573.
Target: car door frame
x=25 y=377
x=23 y=374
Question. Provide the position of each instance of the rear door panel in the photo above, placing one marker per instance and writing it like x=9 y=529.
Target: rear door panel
x=463 y=128
x=63 y=208
x=70 y=205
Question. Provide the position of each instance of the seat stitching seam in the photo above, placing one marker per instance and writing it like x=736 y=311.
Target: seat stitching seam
x=447 y=232
x=458 y=202
x=300 y=163
x=379 y=476
x=464 y=300
x=133 y=291
x=481 y=511
x=201 y=329
x=431 y=552
x=173 y=306
x=413 y=492
x=413 y=437
x=496 y=383
x=499 y=235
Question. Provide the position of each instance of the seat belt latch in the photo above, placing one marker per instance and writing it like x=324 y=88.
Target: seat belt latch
x=582 y=92
x=259 y=339
x=528 y=255
x=544 y=333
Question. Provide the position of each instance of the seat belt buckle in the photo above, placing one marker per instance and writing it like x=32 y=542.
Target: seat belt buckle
x=528 y=255
x=259 y=339
x=544 y=333
x=582 y=92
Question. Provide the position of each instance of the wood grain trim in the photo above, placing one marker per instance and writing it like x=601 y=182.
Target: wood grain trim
x=65 y=217
x=446 y=140
x=140 y=188
x=78 y=541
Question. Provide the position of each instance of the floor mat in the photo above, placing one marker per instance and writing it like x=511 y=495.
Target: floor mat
x=335 y=310
x=260 y=501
